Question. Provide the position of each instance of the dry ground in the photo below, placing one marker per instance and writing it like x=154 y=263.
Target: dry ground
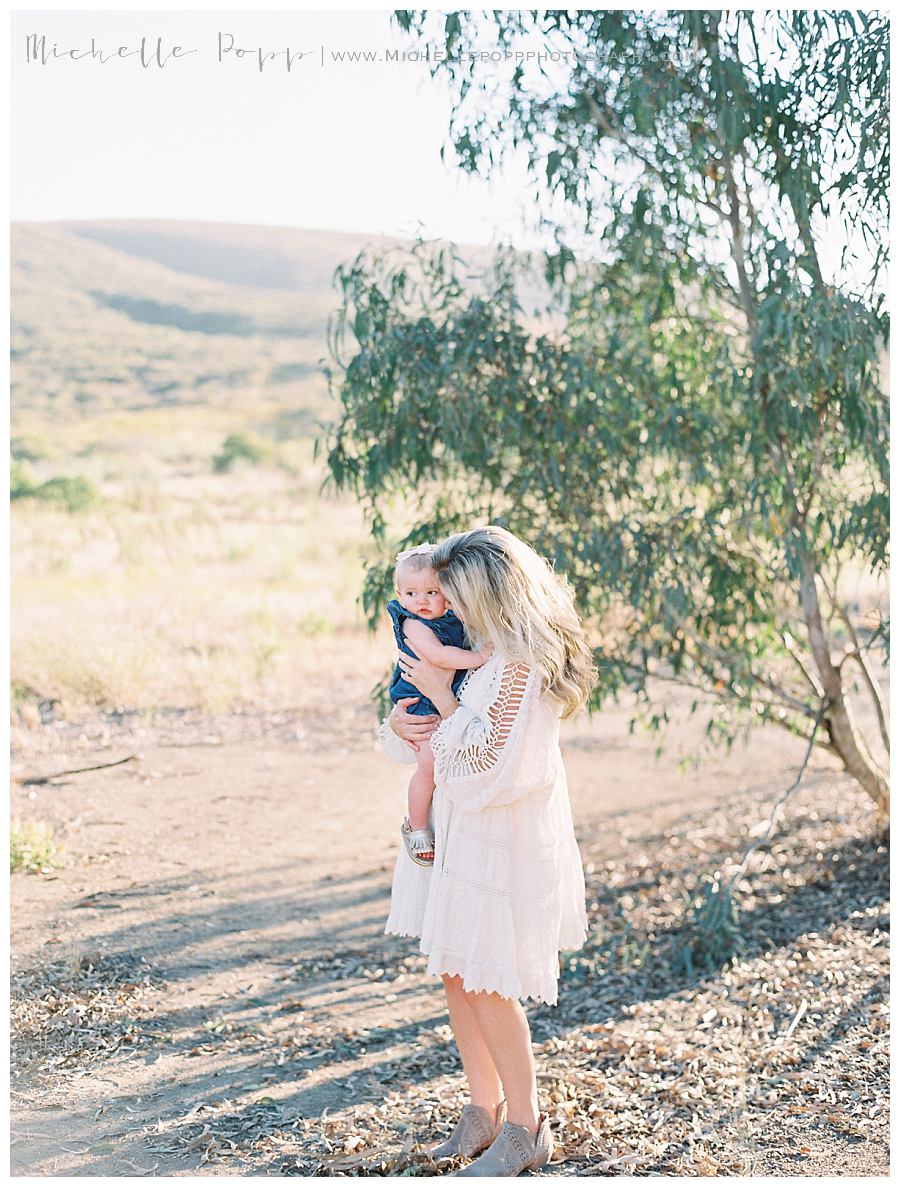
x=204 y=986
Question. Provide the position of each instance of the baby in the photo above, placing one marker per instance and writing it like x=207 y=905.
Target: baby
x=426 y=628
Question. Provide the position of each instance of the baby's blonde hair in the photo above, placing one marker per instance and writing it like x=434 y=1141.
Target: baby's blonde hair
x=507 y=593
x=417 y=561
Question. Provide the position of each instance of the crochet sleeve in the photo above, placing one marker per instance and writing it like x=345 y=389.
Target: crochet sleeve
x=393 y=746
x=489 y=759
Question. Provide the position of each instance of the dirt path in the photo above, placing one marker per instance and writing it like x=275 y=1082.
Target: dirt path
x=222 y=906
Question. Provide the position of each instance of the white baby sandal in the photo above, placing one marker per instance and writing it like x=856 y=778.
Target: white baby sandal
x=417 y=842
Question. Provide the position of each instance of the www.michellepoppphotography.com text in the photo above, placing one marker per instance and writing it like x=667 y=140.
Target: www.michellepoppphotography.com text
x=156 y=53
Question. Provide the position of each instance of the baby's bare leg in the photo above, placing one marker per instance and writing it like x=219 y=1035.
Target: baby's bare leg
x=421 y=788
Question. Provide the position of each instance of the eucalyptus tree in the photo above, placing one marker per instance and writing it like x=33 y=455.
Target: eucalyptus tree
x=698 y=435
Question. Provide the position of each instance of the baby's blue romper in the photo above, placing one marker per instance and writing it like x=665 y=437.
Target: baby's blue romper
x=448 y=628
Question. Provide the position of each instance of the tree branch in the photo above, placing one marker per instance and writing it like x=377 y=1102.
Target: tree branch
x=858 y=653
x=822 y=743
x=748 y=296
x=782 y=799
x=808 y=676
x=723 y=657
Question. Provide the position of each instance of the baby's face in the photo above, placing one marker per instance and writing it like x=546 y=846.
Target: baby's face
x=418 y=591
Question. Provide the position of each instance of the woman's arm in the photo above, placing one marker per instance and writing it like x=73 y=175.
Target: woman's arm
x=486 y=738
x=431 y=681
x=488 y=759
x=426 y=644
x=507 y=752
x=402 y=733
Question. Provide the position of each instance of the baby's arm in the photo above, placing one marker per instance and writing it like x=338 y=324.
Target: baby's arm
x=427 y=645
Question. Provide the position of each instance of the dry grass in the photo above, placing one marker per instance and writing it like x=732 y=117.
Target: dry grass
x=200 y=590
x=33 y=846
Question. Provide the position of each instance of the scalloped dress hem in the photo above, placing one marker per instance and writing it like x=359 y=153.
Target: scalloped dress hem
x=478 y=981
x=483 y=981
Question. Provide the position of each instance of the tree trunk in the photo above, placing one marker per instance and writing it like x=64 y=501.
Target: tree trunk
x=848 y=742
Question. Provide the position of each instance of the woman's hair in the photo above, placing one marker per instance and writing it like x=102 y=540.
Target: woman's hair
x=507 y=593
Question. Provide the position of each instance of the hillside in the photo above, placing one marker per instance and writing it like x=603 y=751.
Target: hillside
x=282 y=259
x=116 y=314
x=141 y=352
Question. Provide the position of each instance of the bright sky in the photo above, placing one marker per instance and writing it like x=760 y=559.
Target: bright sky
x=343 y=145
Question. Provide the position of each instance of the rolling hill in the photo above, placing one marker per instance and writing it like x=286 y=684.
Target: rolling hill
x=121 y=314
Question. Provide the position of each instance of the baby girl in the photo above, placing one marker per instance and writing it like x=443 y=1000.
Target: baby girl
x=426 y=628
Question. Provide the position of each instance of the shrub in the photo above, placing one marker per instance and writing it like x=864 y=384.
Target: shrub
x=20 y=481
x=28 y=449
x=239 y=447
x=78 y=493
x=32 y=846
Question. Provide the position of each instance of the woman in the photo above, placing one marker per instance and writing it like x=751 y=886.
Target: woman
x=506 y=890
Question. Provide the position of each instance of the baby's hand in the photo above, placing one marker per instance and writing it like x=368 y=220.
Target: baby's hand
x=486 y=652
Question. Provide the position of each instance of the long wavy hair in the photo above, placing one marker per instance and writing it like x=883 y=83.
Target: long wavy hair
x=507 y=593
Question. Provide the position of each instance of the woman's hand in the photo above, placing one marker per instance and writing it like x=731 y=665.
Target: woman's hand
x=410 y=728
x=429 y=679
x=432 y=681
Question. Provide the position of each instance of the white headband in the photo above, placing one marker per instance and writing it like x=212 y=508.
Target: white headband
x=419 y=550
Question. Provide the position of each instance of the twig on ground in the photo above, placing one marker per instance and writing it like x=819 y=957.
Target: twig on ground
x=31 y=780
x=796 y=1019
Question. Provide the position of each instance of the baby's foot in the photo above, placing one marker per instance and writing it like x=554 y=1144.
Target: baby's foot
x=424 y=852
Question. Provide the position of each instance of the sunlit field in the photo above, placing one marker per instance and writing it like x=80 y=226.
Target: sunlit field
x=186 y=589
x=190 y=577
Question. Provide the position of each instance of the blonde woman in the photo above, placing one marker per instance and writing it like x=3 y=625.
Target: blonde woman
x=506 y=890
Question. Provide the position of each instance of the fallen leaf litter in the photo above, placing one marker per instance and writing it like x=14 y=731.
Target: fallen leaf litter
x=644 y=1068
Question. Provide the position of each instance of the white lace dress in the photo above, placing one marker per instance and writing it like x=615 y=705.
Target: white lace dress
x=506 y=891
